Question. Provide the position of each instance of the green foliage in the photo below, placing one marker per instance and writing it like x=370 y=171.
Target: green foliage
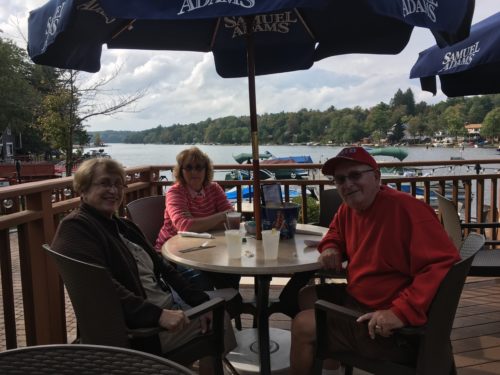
x=312 y=209
x=453 y=117
x=491 y=124
x=17 y=96
x=337 y=126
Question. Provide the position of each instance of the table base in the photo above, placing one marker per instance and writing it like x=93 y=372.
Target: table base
x=245 y=357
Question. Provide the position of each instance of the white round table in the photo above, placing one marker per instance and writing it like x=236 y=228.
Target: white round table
x=293 y=256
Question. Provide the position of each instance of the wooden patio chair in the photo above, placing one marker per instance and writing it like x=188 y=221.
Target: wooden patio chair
x=435 y=354
x=329 y=203
x=64 y=359
x=101 y=321
x=487 y=261
x=147 y=213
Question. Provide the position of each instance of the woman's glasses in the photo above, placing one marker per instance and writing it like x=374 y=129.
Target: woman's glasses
x=351 y=176
x=106 y=184
x=197 y=168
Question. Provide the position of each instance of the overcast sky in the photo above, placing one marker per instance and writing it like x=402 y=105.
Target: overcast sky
x=183 y=87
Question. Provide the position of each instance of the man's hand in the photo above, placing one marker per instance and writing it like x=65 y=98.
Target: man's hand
x=173 y=320
x=381 y=322
x=331 y=259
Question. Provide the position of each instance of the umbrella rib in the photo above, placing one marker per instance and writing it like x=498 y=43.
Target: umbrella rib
x=309 y=31
x=126 y=27
x=216 y=29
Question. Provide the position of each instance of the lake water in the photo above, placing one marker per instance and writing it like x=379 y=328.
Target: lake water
x=132 y=155
x=146 y=154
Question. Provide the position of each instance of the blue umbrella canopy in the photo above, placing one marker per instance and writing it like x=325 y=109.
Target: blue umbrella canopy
x=470 y=67
x=288 y=34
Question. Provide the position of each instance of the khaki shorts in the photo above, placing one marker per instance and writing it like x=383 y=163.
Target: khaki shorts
x=348 y=335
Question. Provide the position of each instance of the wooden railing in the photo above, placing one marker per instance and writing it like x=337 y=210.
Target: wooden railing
x=30 y=213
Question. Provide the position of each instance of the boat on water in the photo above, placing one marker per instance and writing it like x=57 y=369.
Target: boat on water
x=247 y=192
x=401 y=154
x=396 y=153
x=268 y=158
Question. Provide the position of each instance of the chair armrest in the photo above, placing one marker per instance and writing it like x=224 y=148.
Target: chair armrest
x=213 y=304
x=337 y=311
x=345 y=313
x=480 y=225
x=411 y=330
x=135 y=333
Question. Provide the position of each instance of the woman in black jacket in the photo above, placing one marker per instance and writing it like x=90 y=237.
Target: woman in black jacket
x=149 y=289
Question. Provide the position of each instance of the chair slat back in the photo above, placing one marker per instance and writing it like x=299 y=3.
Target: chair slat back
x=450 y=219
x=95 y=301
x=148 y=214
x=329 y=203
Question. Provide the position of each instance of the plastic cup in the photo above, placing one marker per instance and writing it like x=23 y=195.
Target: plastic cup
x=233 y=220
x=233 y=242
x=270 y=242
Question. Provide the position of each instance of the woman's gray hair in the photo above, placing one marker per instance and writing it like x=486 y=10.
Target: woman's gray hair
x=83 y=177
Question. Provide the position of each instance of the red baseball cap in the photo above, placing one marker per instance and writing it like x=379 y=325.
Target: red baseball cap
x=356 y=154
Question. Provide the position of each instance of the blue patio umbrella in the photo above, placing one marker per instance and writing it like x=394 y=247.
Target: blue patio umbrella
x=470 y=67
x=246 y=37
x=288 y=34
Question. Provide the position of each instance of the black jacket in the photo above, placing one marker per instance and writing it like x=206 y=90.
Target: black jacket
x=87 y=235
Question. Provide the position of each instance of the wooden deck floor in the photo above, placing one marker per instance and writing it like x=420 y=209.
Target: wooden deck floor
x=476 y=330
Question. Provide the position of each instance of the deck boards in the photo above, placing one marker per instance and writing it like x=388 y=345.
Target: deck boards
x=475 y=335
x=476 y=329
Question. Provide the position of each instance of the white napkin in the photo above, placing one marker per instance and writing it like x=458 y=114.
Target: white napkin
x=311 y=243
x=308 y=232
x=194 y=234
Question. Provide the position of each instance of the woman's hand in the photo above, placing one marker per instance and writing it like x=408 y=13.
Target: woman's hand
x=331 y=259
x=381 y=322
x=173 y=320
x=205 y=321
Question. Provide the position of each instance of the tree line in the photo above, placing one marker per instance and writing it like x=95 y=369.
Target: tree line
x=340 y=126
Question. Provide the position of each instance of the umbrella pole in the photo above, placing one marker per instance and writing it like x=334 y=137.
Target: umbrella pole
x=253 y=125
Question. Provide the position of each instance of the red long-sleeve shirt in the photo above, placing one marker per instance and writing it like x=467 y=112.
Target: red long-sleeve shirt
x=183 y=204
x=397 y=251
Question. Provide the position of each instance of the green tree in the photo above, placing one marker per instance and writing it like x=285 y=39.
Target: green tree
x=406 y=100
x=378 y=121
x=454 y=119
x=17 y=96
x=97 y=140
x=75 y=100
x=491 y=124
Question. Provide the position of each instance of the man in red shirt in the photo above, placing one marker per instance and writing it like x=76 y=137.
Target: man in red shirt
x=397 y=253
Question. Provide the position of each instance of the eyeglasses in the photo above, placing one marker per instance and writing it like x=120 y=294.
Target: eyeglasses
x=352 y=176
x=197 y=168
x=106 y=184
